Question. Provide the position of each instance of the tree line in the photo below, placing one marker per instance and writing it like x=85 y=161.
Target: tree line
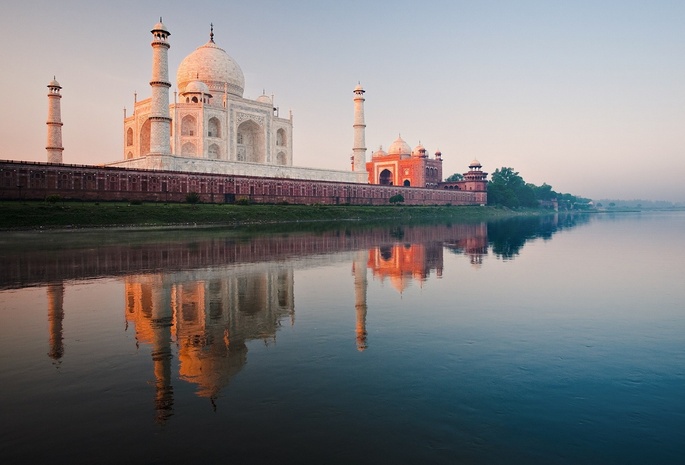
x=508 y=189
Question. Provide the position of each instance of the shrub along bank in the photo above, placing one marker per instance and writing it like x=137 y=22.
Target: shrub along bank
x=31 y=215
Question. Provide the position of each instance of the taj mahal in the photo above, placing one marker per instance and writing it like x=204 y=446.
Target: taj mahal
x=213 y=141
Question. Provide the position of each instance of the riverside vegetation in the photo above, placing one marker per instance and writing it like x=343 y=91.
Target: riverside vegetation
x=59 y=214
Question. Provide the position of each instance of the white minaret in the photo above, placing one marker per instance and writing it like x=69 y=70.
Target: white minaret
x=54 y=143
x=359 y=149
x=160 y=122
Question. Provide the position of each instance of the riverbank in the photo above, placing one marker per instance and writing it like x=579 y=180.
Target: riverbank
x=77 y=215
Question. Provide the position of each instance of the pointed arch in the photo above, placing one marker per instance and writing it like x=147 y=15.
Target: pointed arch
x=281 y=138
x=251 y=142
x=214 y=152
x=385 y=178
x=213 y=127
x=188 y=149
x=188 y=126
x=145 y=138
x=129 y=137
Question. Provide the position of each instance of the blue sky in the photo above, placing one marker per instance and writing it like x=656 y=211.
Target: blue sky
x=586 y=96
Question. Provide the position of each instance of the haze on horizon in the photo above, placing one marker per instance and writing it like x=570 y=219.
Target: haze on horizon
x=587 y=96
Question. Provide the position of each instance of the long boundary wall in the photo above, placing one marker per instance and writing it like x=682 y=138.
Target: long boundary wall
x=36 y=181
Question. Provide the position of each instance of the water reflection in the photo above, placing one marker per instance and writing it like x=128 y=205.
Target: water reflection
x=205 y=299
x=55 y=317
x=210 y=315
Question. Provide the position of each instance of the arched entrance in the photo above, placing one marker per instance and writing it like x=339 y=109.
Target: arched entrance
x=145 y=138
x=251 y=147
x=407 y=183
x=385 y=178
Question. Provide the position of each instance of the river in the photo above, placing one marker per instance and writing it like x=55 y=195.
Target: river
x=535 y=340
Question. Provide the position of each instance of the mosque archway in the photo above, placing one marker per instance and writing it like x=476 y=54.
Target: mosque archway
x=251 y=147
x=407 y=183
x=188 y=125
x=281 y=139
x=213 y=127
x=214 y=152
x=188 y=149
x=145 y=138
x=280 y=158
x=385 y=178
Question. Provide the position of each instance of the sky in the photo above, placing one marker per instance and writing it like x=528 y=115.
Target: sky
x=587 y=96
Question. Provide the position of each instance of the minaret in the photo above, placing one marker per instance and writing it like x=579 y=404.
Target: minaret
x=54 y=144
x=359 y=149
x=160 y=122
x=360 y=285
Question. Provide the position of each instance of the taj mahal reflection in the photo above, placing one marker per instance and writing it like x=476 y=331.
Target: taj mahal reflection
x=209 y=315
x=206 y=316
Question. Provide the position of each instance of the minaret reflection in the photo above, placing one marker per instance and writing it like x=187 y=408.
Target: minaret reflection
x=55 y=316
x=211 y=314
x=149 y=308
x=360 y=285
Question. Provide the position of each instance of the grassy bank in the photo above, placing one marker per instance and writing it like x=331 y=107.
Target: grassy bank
x=33 y=215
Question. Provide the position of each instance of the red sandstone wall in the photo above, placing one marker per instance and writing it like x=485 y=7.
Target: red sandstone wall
x=36 y=181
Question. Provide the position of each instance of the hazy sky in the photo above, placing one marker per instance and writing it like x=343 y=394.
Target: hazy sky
x=588 y=96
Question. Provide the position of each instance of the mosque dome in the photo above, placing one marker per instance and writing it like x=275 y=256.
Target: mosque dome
x=213 y=66
x=196 y=87
x=419 y=151
x=399 y=147
x=475 y=164
x=379 y=153
x=160 y=27
x=264 y=99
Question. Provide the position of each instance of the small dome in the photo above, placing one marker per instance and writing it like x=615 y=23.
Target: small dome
x=475 y=164
x=399 y=147
x=264 y=99
x=214 y=67
x=419 y=151
x=197 y=87
x=380 y=153
x=160 y=27
x=359 y=89
x=54 y=83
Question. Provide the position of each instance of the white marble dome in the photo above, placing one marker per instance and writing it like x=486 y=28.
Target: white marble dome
x=264 y=99
x=196 y=87
x=399 y=147
x=213 y=66
x=475 y=164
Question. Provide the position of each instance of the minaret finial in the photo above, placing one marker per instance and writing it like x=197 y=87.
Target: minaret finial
x=160 y=19
x=211 y=32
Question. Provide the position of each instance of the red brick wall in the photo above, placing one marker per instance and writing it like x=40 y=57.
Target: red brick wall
x=36 y=181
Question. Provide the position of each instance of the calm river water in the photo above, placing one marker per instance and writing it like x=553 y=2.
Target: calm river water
x=556 y=340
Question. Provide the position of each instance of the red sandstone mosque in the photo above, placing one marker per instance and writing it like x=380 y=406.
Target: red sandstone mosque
x=215 y=142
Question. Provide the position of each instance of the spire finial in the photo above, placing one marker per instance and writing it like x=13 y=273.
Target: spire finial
x=211 y=32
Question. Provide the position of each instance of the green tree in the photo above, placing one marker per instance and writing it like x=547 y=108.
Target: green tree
x=455 y=177
x=507 y=188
